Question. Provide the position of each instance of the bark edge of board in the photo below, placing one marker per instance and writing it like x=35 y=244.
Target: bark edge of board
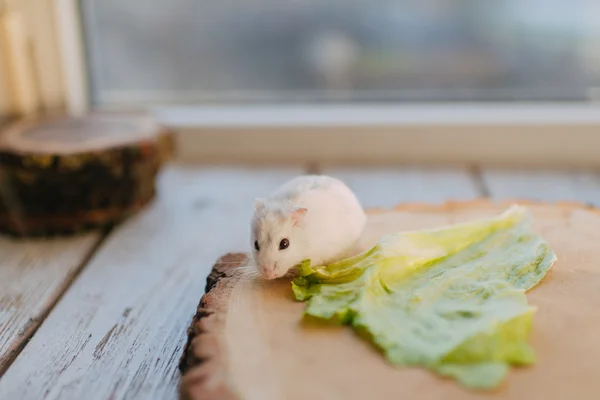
x=203 y=363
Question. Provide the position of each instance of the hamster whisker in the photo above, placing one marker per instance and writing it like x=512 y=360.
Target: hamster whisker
x=246 y=267
x=230 y=262
x=248 y=271
x=250 y=275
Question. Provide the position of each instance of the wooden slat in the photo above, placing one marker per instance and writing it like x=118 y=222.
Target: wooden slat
x=378 y=187
x=543 y=185
x=118 y=332
x=33 y=275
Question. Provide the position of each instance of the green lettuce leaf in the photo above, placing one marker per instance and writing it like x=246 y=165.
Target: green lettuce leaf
x=450 y=299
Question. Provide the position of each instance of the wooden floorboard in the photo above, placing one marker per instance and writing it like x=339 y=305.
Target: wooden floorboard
x=543 y=185
x=118 y=332
x=33 y=275
x=386 y=187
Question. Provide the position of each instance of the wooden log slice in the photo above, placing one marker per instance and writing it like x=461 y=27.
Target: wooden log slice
x=246 y=340
x=67 y=175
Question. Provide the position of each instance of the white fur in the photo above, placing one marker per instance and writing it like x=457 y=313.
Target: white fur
x=326 y=232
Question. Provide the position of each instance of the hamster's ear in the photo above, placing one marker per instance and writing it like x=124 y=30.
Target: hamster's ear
x=298 y=214
x=259 y=204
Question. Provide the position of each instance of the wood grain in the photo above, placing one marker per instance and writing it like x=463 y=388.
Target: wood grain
x=545 y=185
x=386 y=187
x=118 y=333
x=33 y=275
x=251 y=344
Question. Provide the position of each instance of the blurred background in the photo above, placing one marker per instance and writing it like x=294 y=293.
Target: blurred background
x=460 y=81
x=184 y=51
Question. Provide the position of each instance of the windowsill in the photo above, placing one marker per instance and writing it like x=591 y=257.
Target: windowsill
x=327 y=115
x=528 y=134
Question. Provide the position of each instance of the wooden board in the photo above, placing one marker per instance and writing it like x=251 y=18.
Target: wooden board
x=33 y=276
x=119 y=331
x=379 y=187
x=247 y=341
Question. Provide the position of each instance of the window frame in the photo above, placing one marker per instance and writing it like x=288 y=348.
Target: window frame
x=36 y=52
x=528 y=134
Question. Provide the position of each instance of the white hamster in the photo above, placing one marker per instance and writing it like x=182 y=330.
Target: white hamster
x=312 y=217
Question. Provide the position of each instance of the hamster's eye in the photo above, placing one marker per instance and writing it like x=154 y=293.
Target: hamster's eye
x=256 y=245
x=284 y=244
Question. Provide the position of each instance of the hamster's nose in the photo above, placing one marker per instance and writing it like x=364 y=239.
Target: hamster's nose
x=271 y=273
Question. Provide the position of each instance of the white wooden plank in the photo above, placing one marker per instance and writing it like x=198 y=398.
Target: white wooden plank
x=118 y=332
x=545 y=185
x=377 y=187
x=33 y=274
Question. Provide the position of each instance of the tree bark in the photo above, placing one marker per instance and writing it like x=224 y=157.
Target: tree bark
x=61 y=175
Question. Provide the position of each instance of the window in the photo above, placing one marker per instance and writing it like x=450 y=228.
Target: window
x=202 y=51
